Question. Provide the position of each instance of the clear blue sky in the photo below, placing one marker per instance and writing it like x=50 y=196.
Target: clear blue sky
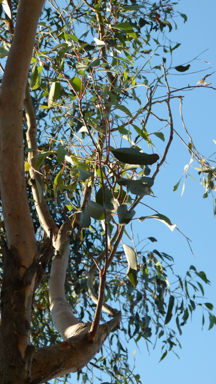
x=192 y=214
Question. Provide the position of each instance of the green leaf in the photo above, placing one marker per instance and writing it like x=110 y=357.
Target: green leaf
x=192 y=268
x=83 y=174
x=123 y=130
x=61 y=154
x=81 y=67
x=178 y=325
x=95 y=62
x=132 y=264
x=170 y=308
x=58 y=181
x=152 y=239
x=209 y=306
x=123 y=215
x=76 y=83
x=137 y=187
x=121 y=108
x=95 y=210
x=109 y=203
x=203 y=276
x=201 y=288
x=126 y=27
x=85 y=218
x=129 y=8
x=34 y=75
x=140 y=132
x=212 y=321
x=182 y=68
x=3 y=52
x=134 y=156
x=176 y=46
x=176 y=186
x=167 y=23
x=161 y=218
x=163 y=356
x=54 y=93
x=40 y=192
x=160 y=135
x=183 y=16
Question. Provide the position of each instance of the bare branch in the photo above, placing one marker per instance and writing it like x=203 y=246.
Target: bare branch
x=171 y=127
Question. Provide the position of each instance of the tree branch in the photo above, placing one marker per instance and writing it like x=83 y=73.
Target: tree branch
x=45 y=218
x=72 y=355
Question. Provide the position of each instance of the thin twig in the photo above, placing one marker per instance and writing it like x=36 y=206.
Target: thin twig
x=171 y=127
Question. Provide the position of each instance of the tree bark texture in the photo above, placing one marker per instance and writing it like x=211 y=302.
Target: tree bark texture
x=19 y=362
x=16 y=295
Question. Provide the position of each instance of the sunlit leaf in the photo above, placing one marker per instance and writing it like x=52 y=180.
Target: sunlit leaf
x=27 y=166
x=132 y=264
x=76 y=83
x=54 y=93
x=161 y=218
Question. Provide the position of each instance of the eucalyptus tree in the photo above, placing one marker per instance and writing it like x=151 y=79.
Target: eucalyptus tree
x=76 y=157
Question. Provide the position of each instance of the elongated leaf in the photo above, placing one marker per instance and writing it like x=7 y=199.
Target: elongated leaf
x=176 y=186
x=134 y=156
x=163 y=356
x=212 y=321
x=178 y=325
x=182 y=68
x=132 y=264
x=85 y=220
x=54 y=93
x=161 y=218
x=34 y=75
x=40 y=192
x=170 y=308
x=127 y=28
x=58 y=181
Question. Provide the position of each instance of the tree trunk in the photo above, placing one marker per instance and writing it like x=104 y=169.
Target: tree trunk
x=19 y=362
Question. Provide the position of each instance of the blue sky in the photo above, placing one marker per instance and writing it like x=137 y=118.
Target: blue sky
x=192 y=214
